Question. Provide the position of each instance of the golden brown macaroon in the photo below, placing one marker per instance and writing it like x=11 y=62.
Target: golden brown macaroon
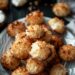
x=20 y=71
x=58 y=69
x=40 y=50
x=21 y=47
x=9 y=61
x=61 y=9
x=34 y=31
x=35 y=17
x=4 y=4
x=56 y=25
x=15 y=28
x=67 y=52
x=34 y=66
x=56 y=41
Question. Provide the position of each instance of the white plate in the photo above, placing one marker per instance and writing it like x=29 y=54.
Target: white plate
x=5 y=42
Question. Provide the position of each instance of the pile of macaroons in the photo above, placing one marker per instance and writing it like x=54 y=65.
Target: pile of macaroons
x=38 y=48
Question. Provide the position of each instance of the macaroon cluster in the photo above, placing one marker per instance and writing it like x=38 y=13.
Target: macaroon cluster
x=36 y=49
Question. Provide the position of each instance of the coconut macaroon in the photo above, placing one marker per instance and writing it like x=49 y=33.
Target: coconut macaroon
x=58 y=69
x=20 y=71
x=40 y=50
x=61 y=9
x=15 y=28
x=67 y=52
x=34 y=31
x=56 y=25
x=35 y=17
x=34 y=66
x=21 y=47
x=9 y=61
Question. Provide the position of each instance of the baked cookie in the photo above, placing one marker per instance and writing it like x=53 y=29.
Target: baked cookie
x=34 y=31
x=57 y=25
x=21 y=47
x=35 y=17
x=15 y=28
x=34 y=66
x=61 y=9
x=67 y=52
x=9 y=61
x=40 y=50
x=58 y=69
